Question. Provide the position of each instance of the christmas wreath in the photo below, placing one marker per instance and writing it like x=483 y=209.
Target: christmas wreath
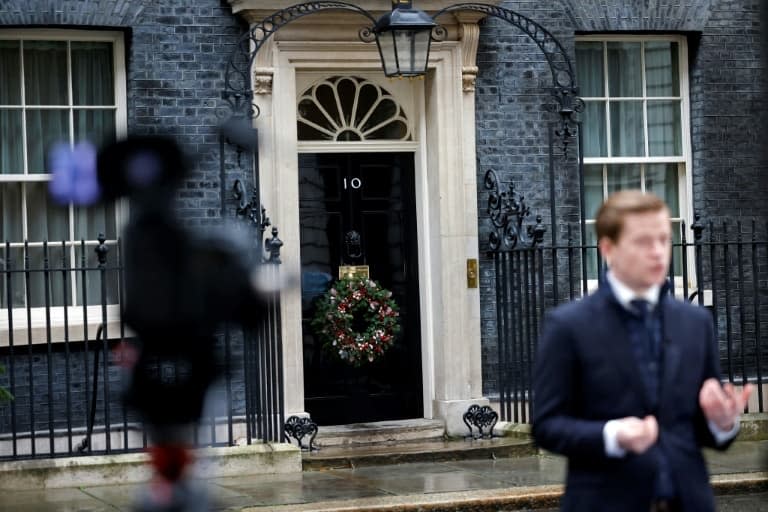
x=356 y=320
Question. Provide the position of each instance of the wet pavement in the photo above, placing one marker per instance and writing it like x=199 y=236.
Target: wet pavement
x=740 y=476
x=753 y=502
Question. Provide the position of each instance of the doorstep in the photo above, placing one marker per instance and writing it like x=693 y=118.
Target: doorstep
x=424 y=451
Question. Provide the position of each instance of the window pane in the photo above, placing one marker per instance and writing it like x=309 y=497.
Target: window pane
x=326 y=98
x=93 y=276
x=10 y=85
x=385 y=110
x=306 y=132
x=39 y=282
x=623 y=177
x=661 y=179
x=661 y=68
x=624 y=69
x=589 y=68
x=92 y=73
x=593 y=189
x=45 y=219
x=89 y=222
x=677 y=251
x=347 y=90
x=45 y=73
x=664 y=132
x=592 y=253
x=10 y=207
x=11 y=142
x=395 y=130
x=595 y=140
x=44 y=129
x=11 y=259
x=309 y=110
x=96 y=126
x=367 y=98
x=627 y=137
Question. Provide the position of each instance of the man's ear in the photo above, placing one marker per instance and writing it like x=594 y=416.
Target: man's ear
x=606 y=246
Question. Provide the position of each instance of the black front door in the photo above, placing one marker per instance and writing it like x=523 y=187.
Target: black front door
x=367 y=197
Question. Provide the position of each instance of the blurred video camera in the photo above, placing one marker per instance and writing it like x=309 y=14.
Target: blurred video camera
x=180 y=284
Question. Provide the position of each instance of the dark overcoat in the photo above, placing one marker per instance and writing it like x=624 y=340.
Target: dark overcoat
x=586 y=374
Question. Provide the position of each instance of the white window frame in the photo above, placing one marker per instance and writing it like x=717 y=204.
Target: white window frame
x=684 y=161
x=31 y=325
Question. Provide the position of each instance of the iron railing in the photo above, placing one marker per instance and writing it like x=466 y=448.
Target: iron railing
x=65 y=348
x=724 y=268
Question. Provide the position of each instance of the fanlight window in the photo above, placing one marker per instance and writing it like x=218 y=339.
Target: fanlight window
x=350 y=109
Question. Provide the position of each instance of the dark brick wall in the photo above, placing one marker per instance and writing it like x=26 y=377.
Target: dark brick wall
x=67 y=367
x=727 y=106
x=727 y=112
x=69 y=372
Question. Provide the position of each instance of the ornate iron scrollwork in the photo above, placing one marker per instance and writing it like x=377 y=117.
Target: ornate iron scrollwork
x=568 y=104
x=237 y=79
x=564 y=89
x=253 y=212
x=507 y=211
x=298 y=428
x=101 y=250
x=273 y=246
x=482 y=418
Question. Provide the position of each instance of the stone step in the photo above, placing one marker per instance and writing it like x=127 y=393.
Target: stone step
x=422 y=451
x=378 y=433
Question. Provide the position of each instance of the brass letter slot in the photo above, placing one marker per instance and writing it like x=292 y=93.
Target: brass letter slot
x=472 y=273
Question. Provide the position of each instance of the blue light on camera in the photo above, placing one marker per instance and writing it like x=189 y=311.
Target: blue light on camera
x=74 y=174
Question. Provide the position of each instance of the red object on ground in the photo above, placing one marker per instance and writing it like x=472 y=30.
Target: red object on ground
x=169 y=460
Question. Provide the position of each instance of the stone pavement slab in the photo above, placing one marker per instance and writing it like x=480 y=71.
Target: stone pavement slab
x=515 y=483
x=740 y=457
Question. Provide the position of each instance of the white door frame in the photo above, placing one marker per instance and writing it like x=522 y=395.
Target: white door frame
x=446 y=207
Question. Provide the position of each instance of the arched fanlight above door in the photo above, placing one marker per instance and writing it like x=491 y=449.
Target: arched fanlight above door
x=349 y=108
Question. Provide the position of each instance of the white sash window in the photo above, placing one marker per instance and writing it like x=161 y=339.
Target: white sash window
x=57 y=86
x=636 y=125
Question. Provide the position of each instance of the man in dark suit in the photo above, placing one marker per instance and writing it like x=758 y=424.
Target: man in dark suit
x=627 y=381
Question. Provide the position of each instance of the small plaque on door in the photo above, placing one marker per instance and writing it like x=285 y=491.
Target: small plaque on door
x=354 y=271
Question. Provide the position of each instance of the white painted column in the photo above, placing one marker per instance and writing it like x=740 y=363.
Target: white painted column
x=453 y=190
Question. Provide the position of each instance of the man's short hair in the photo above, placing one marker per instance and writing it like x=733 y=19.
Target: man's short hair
x=610 y=217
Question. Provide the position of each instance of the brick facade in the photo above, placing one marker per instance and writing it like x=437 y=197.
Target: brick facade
x=176 y=52
x=728 y=175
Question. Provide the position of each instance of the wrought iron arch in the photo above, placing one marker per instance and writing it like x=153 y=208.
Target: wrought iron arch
x=237 y=79
x=564 y=87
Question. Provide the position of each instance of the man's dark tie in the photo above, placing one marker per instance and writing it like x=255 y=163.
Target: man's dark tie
x=643 y=309
x=651 y=336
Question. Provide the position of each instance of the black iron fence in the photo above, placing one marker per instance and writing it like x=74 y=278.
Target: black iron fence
x=65 y=349
x=723 y=268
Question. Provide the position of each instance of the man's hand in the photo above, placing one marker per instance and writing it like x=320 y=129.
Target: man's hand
x=637 y=435
x=722 y=404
